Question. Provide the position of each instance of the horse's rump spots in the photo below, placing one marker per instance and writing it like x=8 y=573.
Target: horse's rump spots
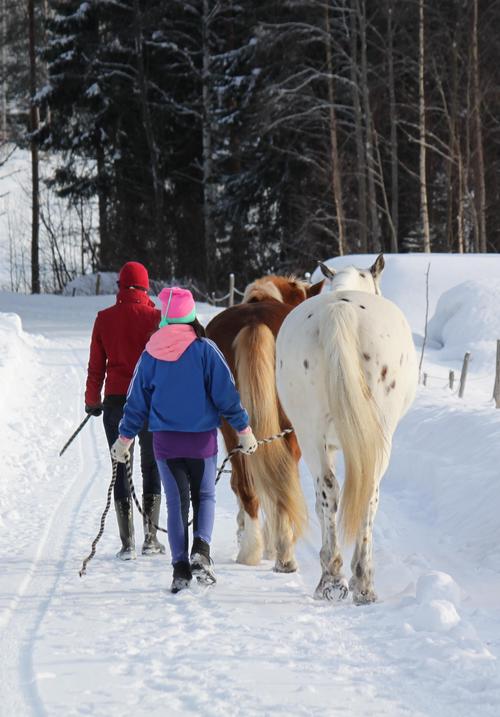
x=383 y=372
x=366 y=356
x=344 y=299
x=362 y=307
x=306 y=364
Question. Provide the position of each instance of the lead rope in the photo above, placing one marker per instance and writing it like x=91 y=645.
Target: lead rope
x=128 y=469
x=89 y=557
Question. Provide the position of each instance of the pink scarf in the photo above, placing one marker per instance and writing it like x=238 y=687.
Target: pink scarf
x=170 y=342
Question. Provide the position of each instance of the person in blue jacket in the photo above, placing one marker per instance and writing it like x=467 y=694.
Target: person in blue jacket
x=181 y=387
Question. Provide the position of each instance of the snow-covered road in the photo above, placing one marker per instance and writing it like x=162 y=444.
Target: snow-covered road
x=116 y=642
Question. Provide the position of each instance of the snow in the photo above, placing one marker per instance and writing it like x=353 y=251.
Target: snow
x=116 y=642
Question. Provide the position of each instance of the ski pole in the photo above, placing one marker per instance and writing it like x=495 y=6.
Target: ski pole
x=74 y=435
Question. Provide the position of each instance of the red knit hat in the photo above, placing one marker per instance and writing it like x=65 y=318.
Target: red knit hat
x=133 y=274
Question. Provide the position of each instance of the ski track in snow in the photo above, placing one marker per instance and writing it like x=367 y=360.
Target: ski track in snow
x=116 y=642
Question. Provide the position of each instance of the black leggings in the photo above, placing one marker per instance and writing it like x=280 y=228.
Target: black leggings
x=112 y=415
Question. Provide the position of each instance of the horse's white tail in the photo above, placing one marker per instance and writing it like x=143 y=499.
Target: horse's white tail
x=272 y=469
x=354 y=413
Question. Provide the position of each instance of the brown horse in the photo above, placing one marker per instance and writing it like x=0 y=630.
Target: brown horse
x=246 y=335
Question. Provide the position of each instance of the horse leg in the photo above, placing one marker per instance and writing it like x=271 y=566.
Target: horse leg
x=361 y=582
x=249 y=534
x=333 y=584
x=321 y=461
x=285 y=544
x=269 y=546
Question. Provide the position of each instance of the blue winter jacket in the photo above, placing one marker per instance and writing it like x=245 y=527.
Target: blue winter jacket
x=189 y=394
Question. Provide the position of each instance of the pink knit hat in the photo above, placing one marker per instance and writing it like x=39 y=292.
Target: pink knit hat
x=177 y=306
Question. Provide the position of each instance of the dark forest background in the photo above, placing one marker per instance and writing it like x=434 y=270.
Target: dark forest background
x=249 y=137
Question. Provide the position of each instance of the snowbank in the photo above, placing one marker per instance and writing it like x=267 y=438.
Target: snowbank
x=14 y=354
x=467 y=318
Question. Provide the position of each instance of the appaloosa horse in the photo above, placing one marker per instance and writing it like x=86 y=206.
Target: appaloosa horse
x=269 y=478
x=346 y=373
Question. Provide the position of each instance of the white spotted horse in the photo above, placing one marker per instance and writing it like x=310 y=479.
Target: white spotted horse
x=346 y=373
x=268 y=479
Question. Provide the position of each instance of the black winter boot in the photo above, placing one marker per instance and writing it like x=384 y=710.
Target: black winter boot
x=151 y=503
x=202 y=565
x=182 y=576
x=125 y=518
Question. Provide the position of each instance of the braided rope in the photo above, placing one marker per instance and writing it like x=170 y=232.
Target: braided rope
x=237 y=449
x=89 y=557
x=128 y=469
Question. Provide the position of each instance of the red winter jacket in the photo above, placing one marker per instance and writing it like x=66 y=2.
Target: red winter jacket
x=118 y=339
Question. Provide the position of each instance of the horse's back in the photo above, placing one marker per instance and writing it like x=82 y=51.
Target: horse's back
x=386 y=352
x=224 y=327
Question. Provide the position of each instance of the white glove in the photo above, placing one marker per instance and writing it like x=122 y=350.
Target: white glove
x=248 y=442
x=120 y=450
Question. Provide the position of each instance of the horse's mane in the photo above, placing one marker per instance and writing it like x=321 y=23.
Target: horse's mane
x=270 y=288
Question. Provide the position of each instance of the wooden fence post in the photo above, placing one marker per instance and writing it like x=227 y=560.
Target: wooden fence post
x=451 y=379
x=425 y=379
x=97 y=284
x=496 y=389
x=463 y=374
x=231 y=290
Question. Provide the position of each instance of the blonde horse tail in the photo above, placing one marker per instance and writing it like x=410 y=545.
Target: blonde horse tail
x=272 y=470
x=354 y=412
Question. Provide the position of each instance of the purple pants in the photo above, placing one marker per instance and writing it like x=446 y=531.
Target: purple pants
x=183 y=478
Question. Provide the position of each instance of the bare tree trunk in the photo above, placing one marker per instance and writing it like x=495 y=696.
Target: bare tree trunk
x=154 y=153
x=35 y=182
x=370 y=162
x=424 y=208
x=480 y=189
x=105 y=258
x=4 y=72
x=335 y=159
x=208 y=190
x=358 y=130
x=394 y=132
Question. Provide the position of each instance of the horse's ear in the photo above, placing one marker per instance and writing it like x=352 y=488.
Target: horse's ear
x=378 y=266
x=326 y=271
x=315 y=289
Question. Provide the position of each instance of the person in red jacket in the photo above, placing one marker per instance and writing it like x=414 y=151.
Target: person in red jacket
x=118 y=339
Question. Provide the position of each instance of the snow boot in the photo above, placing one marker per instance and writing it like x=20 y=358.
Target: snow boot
x=202 y=565
x=182 y=576
x=125 y=518
x=151 y=503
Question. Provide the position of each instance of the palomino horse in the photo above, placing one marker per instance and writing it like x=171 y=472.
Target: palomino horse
x=346 y=373
x=269 y=478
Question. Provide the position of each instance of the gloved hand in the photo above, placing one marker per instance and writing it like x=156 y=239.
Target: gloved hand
x=93 y=410
x=120 y=450
x=247 y=441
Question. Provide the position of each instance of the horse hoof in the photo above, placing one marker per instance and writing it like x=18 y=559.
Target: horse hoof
x=289 y=567
x=332 y=591
x=364 y=597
